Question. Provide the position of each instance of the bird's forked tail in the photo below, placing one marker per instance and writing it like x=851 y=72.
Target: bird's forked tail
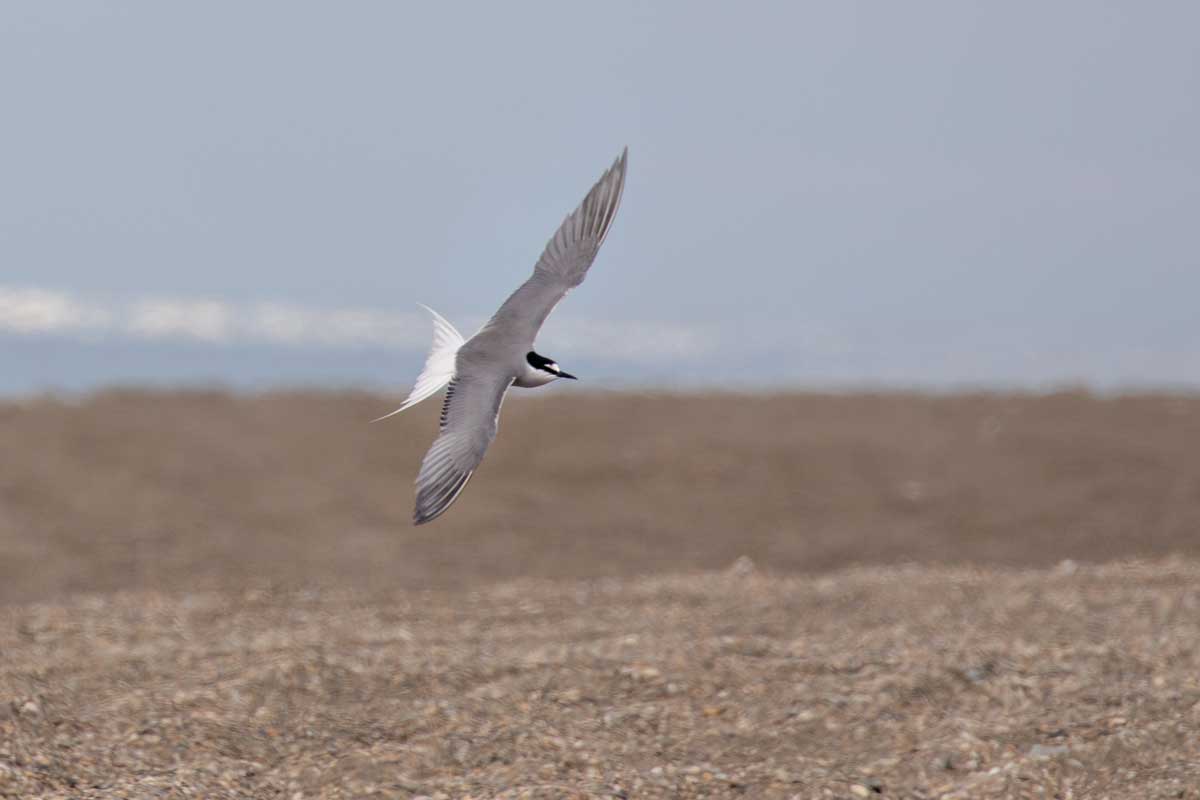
x=439 y=367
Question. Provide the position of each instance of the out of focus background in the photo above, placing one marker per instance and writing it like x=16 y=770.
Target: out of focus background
x=934 y=195
x=948 y=211
x=894 y=340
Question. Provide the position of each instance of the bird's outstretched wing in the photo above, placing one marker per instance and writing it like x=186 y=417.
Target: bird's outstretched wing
x=482 y=374
x=470 y=416
x=565 y=261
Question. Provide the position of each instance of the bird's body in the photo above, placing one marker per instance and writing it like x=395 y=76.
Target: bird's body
x=478 y=372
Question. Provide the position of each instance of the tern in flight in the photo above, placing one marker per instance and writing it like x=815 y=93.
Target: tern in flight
x=478 y=371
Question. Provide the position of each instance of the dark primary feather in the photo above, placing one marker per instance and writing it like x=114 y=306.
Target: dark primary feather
x=470 y=417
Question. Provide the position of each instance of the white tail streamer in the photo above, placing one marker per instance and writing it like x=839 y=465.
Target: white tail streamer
x=439 y=367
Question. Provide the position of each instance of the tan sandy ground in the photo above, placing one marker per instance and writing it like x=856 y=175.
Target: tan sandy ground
x=209 y=595
x=204 y=490
x=913 y=682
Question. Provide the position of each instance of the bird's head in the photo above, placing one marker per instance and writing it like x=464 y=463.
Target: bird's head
x=548 y=366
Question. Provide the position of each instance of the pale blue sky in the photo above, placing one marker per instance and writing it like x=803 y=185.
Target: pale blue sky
x=919 y=193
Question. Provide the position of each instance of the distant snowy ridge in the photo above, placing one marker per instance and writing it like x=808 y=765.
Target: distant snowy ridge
x=47 y=312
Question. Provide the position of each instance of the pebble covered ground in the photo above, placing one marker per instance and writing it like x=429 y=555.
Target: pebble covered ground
x=909 y=682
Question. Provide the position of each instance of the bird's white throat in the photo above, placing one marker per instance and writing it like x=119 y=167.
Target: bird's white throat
x=532 y=377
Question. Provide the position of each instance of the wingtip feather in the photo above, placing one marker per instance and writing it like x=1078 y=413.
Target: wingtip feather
x=444 y=494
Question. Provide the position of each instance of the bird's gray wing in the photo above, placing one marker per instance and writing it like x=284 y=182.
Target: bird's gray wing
x=470 y=415
x=564 y=262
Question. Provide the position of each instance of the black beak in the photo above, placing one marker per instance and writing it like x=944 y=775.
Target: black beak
x=562 y=374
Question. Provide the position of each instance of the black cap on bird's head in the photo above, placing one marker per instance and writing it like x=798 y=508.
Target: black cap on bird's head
x=547 y=365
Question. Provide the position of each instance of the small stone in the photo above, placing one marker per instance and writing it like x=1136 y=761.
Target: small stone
x=1066 y=567
x=742 y=567
x=1045 y=751
x=568 y=696
x=858 y=790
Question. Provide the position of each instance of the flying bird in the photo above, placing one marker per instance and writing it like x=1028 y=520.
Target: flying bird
x=477 y=372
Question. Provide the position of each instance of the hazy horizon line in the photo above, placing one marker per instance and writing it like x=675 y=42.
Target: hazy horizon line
x=36 y=311
x=174 y=340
